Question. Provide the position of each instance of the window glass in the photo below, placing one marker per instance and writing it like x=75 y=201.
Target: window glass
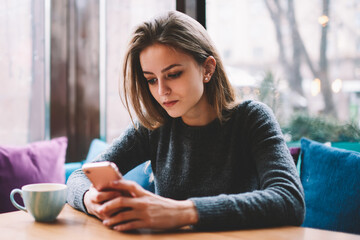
x=18 y=59
x=121 y=18
x=294 y=57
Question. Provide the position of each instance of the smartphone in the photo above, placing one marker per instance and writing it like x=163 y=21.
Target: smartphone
x=101 y=174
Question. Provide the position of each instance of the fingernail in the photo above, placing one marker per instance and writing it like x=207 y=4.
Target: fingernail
x=106 y=222
x=117 y=228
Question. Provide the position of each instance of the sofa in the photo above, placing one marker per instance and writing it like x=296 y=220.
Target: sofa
x=330 y=177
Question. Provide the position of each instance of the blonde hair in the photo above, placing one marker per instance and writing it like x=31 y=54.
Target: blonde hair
x=182 y=33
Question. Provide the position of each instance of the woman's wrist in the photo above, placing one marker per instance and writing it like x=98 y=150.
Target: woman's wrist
x=85 y=202
x=189 y=214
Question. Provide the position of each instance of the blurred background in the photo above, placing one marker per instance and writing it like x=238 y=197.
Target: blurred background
x=61 y=62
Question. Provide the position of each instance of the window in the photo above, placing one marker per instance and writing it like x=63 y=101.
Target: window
x=256 y=44
x=35 y=108
x=22 y=71
x=287 y=46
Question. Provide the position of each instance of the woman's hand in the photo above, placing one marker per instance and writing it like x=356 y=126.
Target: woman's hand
x=144 y=210
x=93 y=200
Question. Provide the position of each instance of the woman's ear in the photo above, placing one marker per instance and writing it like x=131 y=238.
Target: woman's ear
x=209 y=68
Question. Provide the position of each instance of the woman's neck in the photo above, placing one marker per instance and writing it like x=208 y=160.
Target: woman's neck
x=202 y=114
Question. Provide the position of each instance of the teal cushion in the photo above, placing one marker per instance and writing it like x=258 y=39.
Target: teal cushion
x=70 y=168
x=353 y=146
x=331 y=180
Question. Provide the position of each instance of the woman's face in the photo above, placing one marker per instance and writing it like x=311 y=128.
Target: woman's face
x=176 y=81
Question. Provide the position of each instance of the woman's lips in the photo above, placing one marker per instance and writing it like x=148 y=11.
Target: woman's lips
x=170 y=103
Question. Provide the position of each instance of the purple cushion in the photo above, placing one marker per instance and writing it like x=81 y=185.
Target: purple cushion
x=295 y=152
x=37 y=162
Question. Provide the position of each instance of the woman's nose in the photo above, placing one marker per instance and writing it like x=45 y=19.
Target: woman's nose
x=163 y=88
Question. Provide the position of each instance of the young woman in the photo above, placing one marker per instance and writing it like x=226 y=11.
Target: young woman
x=216 y=164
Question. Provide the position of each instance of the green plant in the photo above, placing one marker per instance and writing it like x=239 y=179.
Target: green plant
x=320 y=128
x=269 y=91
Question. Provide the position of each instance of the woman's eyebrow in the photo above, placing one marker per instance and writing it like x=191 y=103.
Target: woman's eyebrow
x=169 y=67
x=165 y=69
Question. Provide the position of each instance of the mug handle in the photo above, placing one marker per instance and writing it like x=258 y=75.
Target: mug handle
x=18 y=206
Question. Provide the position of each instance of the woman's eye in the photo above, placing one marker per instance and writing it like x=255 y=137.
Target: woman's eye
x=151 y=81
x=175 y=75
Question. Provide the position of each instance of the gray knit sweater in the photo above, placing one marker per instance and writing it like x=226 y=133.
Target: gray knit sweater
x=239 y=174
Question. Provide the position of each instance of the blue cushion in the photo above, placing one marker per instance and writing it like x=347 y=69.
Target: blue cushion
x=331 y=180
x=141 y=174
x=97 y=146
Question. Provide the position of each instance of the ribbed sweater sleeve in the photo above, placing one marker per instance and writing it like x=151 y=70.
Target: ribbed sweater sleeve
x=78 y=184
x=127 y=151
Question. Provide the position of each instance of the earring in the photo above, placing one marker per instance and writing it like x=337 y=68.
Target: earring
x=206 y=79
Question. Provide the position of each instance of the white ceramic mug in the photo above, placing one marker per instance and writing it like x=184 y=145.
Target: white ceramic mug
x=44 y=201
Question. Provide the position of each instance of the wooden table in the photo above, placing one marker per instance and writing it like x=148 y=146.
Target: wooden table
x=72 y=224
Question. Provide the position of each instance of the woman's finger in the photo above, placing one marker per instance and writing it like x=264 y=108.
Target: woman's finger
x=100 y=197
x=92 y=207
x=137 y=224
x=122 y=217
x=120 y=203
x=134 y=189
x=107 y=196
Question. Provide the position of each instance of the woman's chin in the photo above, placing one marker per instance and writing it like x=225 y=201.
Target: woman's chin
x=173 y=114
